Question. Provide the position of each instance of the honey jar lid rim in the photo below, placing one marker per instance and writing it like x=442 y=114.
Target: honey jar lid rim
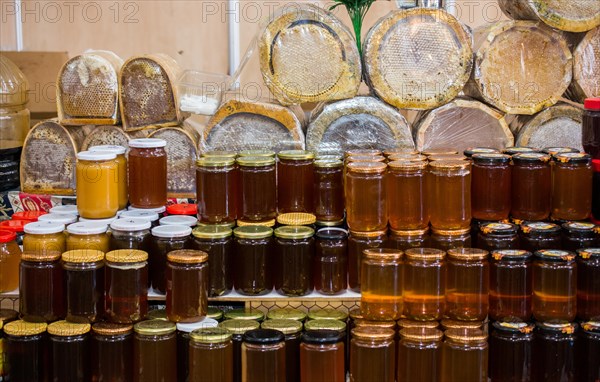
x=43 y=228
x=425 y=334
x=383 y=254
x=373 y=333
x=218 y=153
x=515 y=150
x=215 y=161
x=157 y=210
x=239 y=326
x=466 y=335
x=531 y=157
x=587 y=253
x=407 y=158
x=367 y=167
x=127 y=256
x=58 y=218
x=374 y=152
x=328 y=163
x=294 y=232
x=253 y=232
x=286 y=313
x=87 y=228
x=555 y=255
x=425 y=254
x=66 y=329
x=96 y=156
x=268 y=223
x=286 y=326
x=539 y=227
x=109 y=328
x=468 y=253
x=429 y=152
x=559 y=150
x=21 y=328
x=33 y=256
x=450 y=324
x=557 y=326
x=490 y=158
x=188 y=327
x=257 y=153
x=138 y=214
x=296 y=154
x=407 y=323
x=591 y=326
x=210 y=335
x=296 y=218
x=147 y=143
x=327 y=314
x=263 y=336
x=331 y=233
x=511 y=254
x=414 y=232
x=255 y=161
x=322 y=336
x=212 y=232
x=407 y=165
x=130 y=224
x=83 y=256
x=572 y=158
x=480 y=150
x=118 y=150
x=450 y=164
x=398 y=151
x=245 y=314
x=366 y=234
x=498 y=228
x=186 y=220
x=69 y=209
x=325 y=324
x=154 y=327
x=171 y=231
x=187 y=256
x=363 y=322
x=580 y=227
x=514 y=327
x=451 y=232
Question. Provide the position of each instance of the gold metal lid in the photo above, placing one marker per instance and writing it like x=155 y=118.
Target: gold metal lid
x=373 y=333
x=255 y=161
x=406 y=323
x=286 y=313
x=219 y=154
x=441 y=151
x=367 y=235
x=110 y=329
x=253 y=232
x=187 y=256
x=157 y=314
x=451 y=232
x=210 y=335
x=328 y=163
x=22 y=328
x=212 y=232
x=296 y=218
x=327 y=314
x=335 y=223
x=466 y=335
x=421 y=334
x=67 y=329
x=83 y=256
x=355 y=314
x=296 y=155
x=46 y=256
x=285 y=326
x=230 y=225
x=245 y=314
x=427 y=254
x=239 y=326
x=257 y=153
x=127 y=256
x=367 y=167
x=365 y=158
x=454 y=324
x=325 y=324
x=468 y=254
x=408 y=158
x=294 y=232
x=372 y=152
x=383 y=254
x=214 y=313
x=267 y=223
x=450 y=165
x=215 y=162
x=440 y=157
x=154 y=327
x=358 y=322
x=414 y=232
x=404 y=165
x=390 y=152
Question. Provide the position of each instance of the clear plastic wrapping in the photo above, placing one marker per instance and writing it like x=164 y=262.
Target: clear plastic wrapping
x=586 y=67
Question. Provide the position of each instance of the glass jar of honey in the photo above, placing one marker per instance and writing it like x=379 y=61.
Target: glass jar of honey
x=372 y=354
x=112 y=352
x=511 y=351
x=292 y=330
x=165 y=238
x=497 y=236
x=587 y=352
x=254 y=248
x=331 y=261
x=365 y=194
x=126 y=284
x=536 y=236
x=37 y=303
x=211 y=355
x=588 y=284
x=419 y=354
x=44 y=238
x=295 y=247
x=406 y=196
x=467 y=284
x=218 y=243
x=238 y=328
x=531 y=186
x=381 y=284
x=424 y=284
x=491 y=186
x=328 y=190
x=87 y=235
x=554 y=285
x=572 y=186
x=263 y=356
x=70 y=349
x=15 y=226
x=216 y=190
x=129 y=233
x=511 y=285
x=97 y=184
x=121 y=174
x=322 y=356
x=258 y=189
x=295 y=181
x=580 y=235
x=404 y=240
x=554 y=351
x=464 y=356
x=357 y=242
x=10 y=255
x=26 y=357
x=6 y=316
x=184 y=331
x=84 y=283
x=147 y=173
x=187 y=285
x=154 y=351
x=445 y=240
x=449 y=195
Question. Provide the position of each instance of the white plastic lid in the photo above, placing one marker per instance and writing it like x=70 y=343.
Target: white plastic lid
x=43 y=228
x=168 y=231
x=58 y=218
x=119 y=212
x=87 y=228
x=189 y=221
x=147 y=143
x=147 y=215
x=158 y=210
x=118 y=150
x=203 y=323
x=66 y=209
x=106 y=221
x=130 y=225
x=96 y=156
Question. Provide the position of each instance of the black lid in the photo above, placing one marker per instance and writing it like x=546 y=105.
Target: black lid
x=539 y=227
x=555 y=255
x=332 y=233
x=322 y=337
x=559 y=150
x=573 y=158
x=591 y=327
x=480 y=150
x=557 y=327
x=514 y=327
x=491 y=158
x=532 y=157
x=511 y=254
x=580 y=227
x=587 y=253
x=263 y=336
x=519 y=150
x=498 y=229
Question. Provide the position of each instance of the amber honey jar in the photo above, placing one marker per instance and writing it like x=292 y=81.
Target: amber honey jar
x=126 y=283
x=511 y=283
x=328 y=190
x=70 y=350
x=491 y=186
x=572 y=186
x=295 y=180
x=187 y=285
x=183 y=343
x=97 y=184
x=165 y=239
x=147 y=173
x=218 y=243
x=404 y=240
x=554 y=285
x=554 y=352
x=84 y=283
x=464 y=356
x=365 y=195
x=381 y=284
x=577 y=235
x=295 y=247
x=531 y=186
x=87 y=235
x=446 y=240
x=467 y=284
x=211 y=355
x=154 y=351
x=237 y=328
x=536 y=236
x=10 y=255
x=292 y=329
x=322 y=356
x=449 y=195
x=15 y=226
x=41 y=287
x=254 y=247
x=258 y=190
x=497 y=236
x=25 y=358
x=217 y=190
x=112 y=352
x=587 y=352
x=357 y=242
x=263 y=356
x=588 y=284
x=511 y=351
x=372 y=354
x=419 y=354
x=44 y=237
x=130 y=233
x=121 y=173
x=331 y=261
x=406 y=196
x=6 y=316
x=424 y=290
